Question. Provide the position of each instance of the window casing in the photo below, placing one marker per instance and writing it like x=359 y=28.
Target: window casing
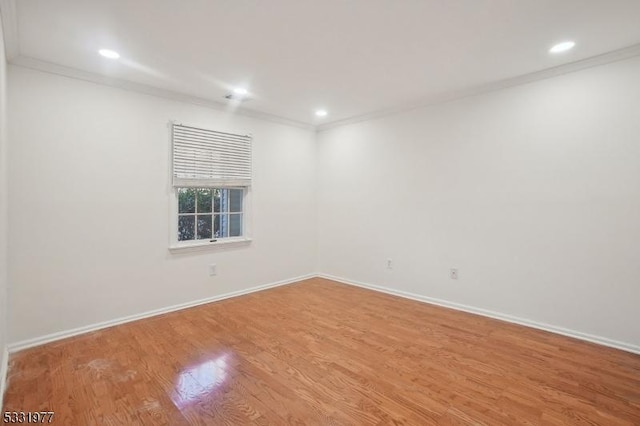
x=211 y=187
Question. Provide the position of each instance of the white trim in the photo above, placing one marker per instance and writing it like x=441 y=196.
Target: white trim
x=175 y=245
x=41 y=340
x=13 y=56
x=10 y=29
x=594 y=61
x=201 y=244
x=4 y=371
x=25 y=344
x=491 y=314
x=51 y=68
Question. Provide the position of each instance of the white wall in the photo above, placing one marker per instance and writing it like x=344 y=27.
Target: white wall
x=533 y=192
x=4 y=188
x=90 y=187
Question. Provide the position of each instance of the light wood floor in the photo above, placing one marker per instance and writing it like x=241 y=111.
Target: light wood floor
x=318 y=352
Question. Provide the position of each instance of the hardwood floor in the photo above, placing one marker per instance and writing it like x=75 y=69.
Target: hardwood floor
x=319 y=352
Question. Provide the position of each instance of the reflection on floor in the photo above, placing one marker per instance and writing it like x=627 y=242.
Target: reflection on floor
x=318 y=352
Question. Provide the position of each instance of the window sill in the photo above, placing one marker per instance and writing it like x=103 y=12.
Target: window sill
x=200 y=245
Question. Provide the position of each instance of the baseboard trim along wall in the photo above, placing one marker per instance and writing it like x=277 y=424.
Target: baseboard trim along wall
x=491 y=314
x=37 y=341
x=4 y=370
x=25 y=344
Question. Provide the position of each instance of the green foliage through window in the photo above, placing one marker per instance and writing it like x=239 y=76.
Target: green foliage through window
x=210 y=213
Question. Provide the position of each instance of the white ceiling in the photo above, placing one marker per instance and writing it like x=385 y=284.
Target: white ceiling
x=352 y=57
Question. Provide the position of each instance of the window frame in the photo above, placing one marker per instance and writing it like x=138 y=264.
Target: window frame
x=245 y=238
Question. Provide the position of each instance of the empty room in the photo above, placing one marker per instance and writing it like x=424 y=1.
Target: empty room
x=338 y=212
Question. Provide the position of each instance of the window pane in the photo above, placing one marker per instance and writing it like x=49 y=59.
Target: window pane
x=186 y=228
x=216 y=226
x=217 y=193
x=224 y=201
x=204 y=226
x=235 y=200
x=204 y=200
x=186 y=200
x=235 y=225
x=221 y=226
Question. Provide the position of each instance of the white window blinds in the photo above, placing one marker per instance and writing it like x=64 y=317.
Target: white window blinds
x=208 y=158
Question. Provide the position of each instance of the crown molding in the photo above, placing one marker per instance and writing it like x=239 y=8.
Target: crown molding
x=51 y=68
x=9 y=16
x=10 y=25
x=594 y=61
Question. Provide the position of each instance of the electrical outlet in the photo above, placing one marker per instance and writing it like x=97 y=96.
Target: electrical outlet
x=213 y=269
x=389 y=264
x=453 y=273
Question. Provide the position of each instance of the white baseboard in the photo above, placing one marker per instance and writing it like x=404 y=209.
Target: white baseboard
x=4 y=370
x=491 y=314
x=41 y=340
x=18 y=346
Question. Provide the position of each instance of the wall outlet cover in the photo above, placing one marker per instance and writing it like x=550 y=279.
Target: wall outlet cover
x=453 y=273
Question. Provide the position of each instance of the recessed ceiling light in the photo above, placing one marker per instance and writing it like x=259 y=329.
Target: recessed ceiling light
x=239 y=94
x=562 y=47
x=107 y=53
x=321 y=113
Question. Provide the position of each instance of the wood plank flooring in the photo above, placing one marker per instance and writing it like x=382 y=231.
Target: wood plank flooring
x=322 y=353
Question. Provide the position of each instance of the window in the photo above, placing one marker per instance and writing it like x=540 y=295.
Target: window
x=210 y=213
x=211 y=181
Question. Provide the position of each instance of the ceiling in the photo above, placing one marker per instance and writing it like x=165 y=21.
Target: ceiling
x=351 y=57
